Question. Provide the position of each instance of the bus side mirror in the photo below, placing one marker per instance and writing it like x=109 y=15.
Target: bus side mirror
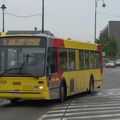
x=49 y=71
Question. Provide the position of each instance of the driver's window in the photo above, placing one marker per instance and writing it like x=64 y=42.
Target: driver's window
x=52 y=59
x=2 y=60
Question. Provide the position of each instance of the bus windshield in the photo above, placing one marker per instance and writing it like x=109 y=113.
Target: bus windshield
x=22 y=60
x=29 y=61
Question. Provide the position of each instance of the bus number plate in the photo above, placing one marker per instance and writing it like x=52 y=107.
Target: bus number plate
x=16 y=94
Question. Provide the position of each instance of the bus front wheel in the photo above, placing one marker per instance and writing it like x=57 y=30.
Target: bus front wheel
x=13 y=101
x=62 y=93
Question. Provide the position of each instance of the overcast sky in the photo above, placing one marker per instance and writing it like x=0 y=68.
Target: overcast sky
x=64 y=18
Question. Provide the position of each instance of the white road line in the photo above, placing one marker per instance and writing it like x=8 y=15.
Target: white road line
x=95 y=116
x=98 y=102
x=81 y=109
x=95 y=105
x=54 y=115
x=96 y=109
x=92 y=112
x=80 y=113
x=75 y=107
x=69 y=116
x=70 y=112
x=87 y=106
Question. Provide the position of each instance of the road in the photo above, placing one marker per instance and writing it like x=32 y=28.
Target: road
x=103 y=104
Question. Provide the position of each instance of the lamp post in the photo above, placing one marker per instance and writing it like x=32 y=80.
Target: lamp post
x=3 y=7
x=103 y=5
x=42 y=16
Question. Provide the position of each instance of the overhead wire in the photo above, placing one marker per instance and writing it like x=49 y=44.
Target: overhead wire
x=20 y=16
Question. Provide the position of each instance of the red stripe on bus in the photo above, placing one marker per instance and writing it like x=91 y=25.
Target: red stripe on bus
x=58 y=42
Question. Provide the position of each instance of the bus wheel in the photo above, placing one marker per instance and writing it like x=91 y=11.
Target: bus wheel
x=91 y=86
x=13 y=101
x=62 y=93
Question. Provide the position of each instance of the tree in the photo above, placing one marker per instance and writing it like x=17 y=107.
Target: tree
x=110 y=47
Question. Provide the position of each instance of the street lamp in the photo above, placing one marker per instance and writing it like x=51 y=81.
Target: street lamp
x=42 y=16
x=3 y=7
x=103 y=5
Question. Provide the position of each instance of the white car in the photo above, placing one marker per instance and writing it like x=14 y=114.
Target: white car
x=110 y=64
x=118 y=62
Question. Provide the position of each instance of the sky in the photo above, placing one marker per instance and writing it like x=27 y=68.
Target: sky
x=65 y=18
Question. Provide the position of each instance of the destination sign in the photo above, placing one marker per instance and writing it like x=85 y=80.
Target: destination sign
x=22 y=41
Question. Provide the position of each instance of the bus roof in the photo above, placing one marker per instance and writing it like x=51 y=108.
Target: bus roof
x=60 y=42
x=15 y=35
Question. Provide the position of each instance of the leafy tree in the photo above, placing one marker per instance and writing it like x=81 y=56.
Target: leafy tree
x=110 y=46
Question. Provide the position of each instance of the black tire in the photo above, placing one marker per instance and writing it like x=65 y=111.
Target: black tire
x=13 y=101
x=91 y=86
x=62 y=93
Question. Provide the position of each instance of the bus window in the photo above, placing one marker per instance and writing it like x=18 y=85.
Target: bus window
x=86 y=59
x=71 y=59
x=81 y=59
x=34 y=59
x=97 y=59
x=63 y=60
x=52 y=59
x=2 y=60
x=91 y=59
x=12 y=58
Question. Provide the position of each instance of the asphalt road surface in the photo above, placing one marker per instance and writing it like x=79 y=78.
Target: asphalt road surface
x=103 y=104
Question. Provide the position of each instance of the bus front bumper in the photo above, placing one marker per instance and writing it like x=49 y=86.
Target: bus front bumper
x=25 y=95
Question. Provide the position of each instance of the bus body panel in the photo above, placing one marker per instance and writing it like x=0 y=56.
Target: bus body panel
x=48 y=87
x=24 y=88
x=80 y=80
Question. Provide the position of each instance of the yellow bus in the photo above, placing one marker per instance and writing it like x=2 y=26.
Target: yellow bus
x=41 y=67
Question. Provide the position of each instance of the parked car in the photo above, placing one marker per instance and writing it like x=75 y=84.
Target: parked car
x=111 y=64
x=118 y=62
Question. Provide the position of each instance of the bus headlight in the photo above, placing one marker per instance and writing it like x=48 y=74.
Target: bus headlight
x=40 y=87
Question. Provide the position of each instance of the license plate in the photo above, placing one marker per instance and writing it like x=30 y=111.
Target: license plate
x=16 y=94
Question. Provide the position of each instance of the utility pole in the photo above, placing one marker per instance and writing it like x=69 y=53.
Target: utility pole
x=42 y=16
x=103 y=5
x=3 y=7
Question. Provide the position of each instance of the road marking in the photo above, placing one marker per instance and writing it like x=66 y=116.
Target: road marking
x=95 y=116
x=75 y=112
x=90 y=111
x=88 y=107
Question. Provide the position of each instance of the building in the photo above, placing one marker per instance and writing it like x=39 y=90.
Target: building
x=112 y=30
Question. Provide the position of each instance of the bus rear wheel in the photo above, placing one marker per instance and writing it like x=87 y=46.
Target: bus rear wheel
x=91 y=86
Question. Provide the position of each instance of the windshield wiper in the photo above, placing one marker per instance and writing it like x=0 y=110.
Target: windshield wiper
x=23 y=64
x=6 y=70
x=20 y=68
x=31 y=75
